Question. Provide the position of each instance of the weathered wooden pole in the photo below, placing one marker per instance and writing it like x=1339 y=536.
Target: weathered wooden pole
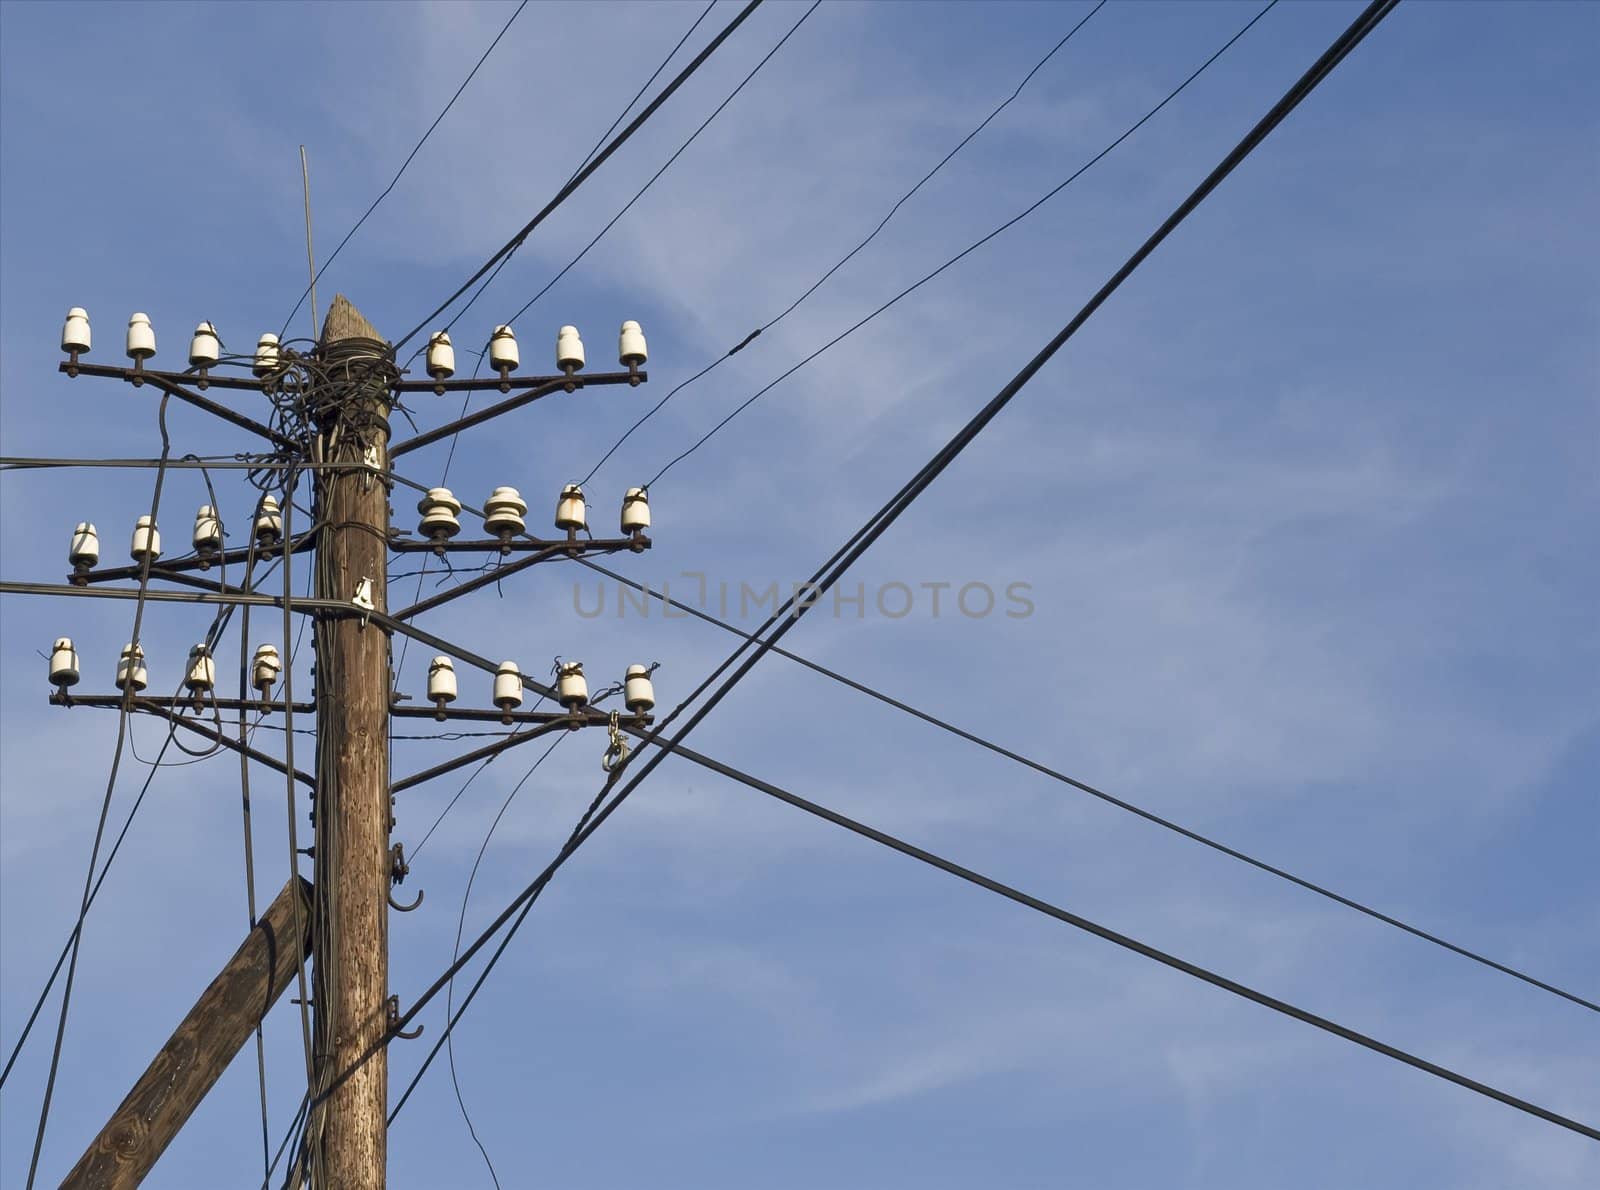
x=351 y=406
x=196 y=1055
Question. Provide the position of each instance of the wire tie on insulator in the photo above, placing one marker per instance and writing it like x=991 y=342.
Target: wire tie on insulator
x=617 y=750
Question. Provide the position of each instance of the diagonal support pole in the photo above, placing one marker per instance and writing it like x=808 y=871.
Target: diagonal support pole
x=195 y=1056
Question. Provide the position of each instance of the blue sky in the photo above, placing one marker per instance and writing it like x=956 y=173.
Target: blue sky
x=1307 y=511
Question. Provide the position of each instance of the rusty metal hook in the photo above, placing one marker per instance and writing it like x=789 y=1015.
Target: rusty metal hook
x=398 y=871
x=394 y=1028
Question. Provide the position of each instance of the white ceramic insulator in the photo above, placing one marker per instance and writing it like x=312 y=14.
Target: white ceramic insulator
x=638 y=692
x=504 y=510
x=207 y=530
x=265 y=668
x=570 y=513
x=205 y=348
x=631 y=348
x=441 y=356
x=439 y=508
x=442 y=680
x=572 y=688
x=503 y=353
x=569 y=348
x=75 y=332
x=131 y=670
x=268 y=355
x=141 y=337
x=202 y=675
x=507 y=686
x=146 y=540
x=85 y=547
x=635 y=511
x=64 y=663
x=268 y=527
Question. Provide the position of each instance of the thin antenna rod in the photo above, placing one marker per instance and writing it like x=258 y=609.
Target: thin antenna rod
x=311 y=259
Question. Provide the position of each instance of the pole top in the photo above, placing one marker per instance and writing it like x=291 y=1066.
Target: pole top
x=344 y=321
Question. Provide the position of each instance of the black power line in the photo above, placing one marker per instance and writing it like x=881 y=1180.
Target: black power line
x=621 y=116
x=461 y=922
x=848 y=256
x=1111 y=799
x=123 y=715
x=704 y=124
x=1060 y=914
x=583 y=174
x=918 y=284
x=1128 y=943
x=781 y=621
x=317 y=276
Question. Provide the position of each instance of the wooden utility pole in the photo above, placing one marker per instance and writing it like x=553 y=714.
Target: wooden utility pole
x=331 y=410
x=196 y=1055
x=352 y=812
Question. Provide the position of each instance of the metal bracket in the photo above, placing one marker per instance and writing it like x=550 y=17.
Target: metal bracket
x=363 y=599
x=392 y=1008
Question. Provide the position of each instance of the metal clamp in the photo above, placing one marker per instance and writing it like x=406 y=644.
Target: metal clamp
x=617 y=750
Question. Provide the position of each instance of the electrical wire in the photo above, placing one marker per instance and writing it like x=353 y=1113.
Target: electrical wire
x=582 y=824
x=1077 y=921
x=640 y=193
x=621 y=116
x=848 y=256
x=213 y=634
x=588 y=170
x=317 y=276
x=467 y=397
x=461 y=922
x=187 y=463
x=308 y=1051
x=1142 y=949
x=245 y=666
x=105 y=807
x=826 y=576
x=1110 y=799
x=970 y=248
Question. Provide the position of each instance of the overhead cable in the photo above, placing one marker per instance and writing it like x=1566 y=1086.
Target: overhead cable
x=417 y=148
x=588 y=170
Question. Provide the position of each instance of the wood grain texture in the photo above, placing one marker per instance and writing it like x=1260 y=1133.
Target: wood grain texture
x=353 y=808
x=195 y=1056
